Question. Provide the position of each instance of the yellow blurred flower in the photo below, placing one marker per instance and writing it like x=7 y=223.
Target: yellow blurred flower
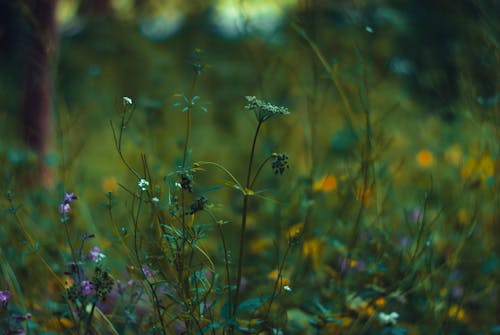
x=313 y=249
x=364 y=195
x=58 y=324
x=456 y=312
x=425 y=158
x=284 y=280
x=257 y=246
x=294 y=231
x=326 y=184
x=479 y=169
x=109 y=184
x=334 y=328
x=379 y=302
x=453 y=154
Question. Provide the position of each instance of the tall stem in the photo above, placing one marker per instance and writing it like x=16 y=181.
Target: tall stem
x=244 y=218
x=188 y=123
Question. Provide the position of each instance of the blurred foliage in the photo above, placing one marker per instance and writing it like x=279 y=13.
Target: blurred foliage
x=392 y=192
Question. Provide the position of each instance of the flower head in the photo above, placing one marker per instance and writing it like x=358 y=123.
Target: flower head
x=280 y=163
x=69 y=197
x=143 y=184
x=388 y=319
x=4 y=298
x=95 y=255
x=64 y=208
x=86 y=287
x=147 y=271
x=264 y=110
x=127 y=101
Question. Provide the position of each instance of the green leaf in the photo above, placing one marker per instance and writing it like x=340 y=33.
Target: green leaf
x=251 y=304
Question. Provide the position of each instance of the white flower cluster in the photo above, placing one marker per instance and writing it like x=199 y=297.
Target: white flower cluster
x=127 y=101
x=143 y=184
x=264 y=110
x=387 y=319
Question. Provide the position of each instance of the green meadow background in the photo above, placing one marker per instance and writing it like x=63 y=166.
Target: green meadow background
x=390 y=198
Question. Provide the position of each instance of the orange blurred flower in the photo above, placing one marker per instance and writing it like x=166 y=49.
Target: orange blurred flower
x=326 y=184
x=425 y=158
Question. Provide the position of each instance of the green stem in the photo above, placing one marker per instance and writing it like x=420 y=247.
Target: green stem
x=244 y=219
x=259 y=169
x=188 y=123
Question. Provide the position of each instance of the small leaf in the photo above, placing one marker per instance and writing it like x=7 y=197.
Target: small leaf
x=251 y=304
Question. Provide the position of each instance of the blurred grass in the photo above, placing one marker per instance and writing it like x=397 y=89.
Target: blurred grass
x=109 y=59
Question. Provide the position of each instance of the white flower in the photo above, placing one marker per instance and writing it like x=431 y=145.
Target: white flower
x=127 y=101
x=388 y=318
x=155 y=199
x=178 y=185
x=143 y=184
x=287 y=288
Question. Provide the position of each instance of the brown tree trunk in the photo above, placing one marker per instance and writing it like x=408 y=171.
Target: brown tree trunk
x=37 y=97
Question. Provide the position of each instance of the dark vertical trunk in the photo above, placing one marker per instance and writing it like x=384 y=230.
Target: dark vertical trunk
x=36 y=107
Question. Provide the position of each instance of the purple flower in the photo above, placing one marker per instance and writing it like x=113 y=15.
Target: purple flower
x=416 y=215
x=404 y=242
x=4 y=298
x=64 y=208
x=457 y=291
x=95 y=255
x=147 y=271
x=86 y=287
x=69 y=197
x=343 y=264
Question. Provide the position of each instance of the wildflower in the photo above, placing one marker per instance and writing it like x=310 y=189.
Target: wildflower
x=69 y=197
x=4 y=298
x=479 y=169
x=109 y=185
x=326 y=184
x=95 y=255
x=147 y=271
x=264 y=110
x=453 y=155
x=457 y=291
x=102 y=283
x=155 y=199
x=287 y=288
x=64 y=208
x=415 y=216
x=280 y=163
x=186 y=182
x=457 y=312
x=313 y=249
x=86 y=287
x=283 y=281
x=127 y=101
x=379 y=302
x=388 y=319
x=258 y=245
x=143 y=184
x=425 y=158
